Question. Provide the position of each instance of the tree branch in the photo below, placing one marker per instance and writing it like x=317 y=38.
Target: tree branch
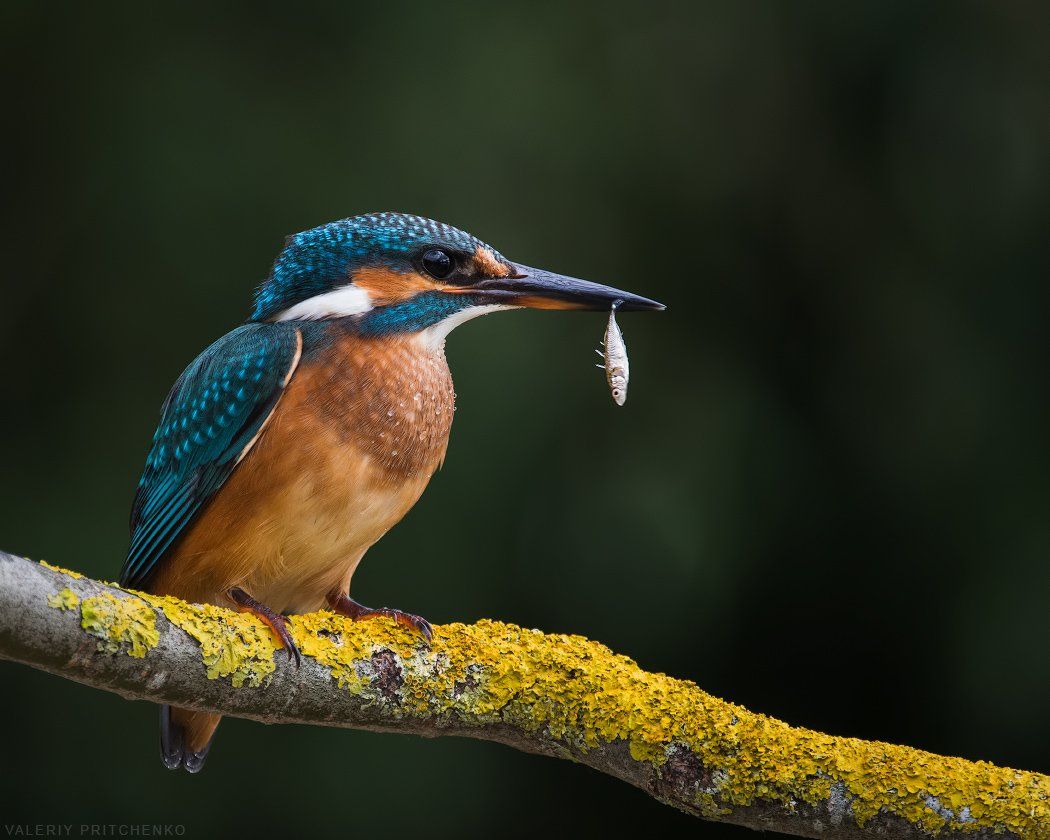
x=561 y=696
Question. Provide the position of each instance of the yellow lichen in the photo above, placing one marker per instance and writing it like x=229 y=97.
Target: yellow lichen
x=585 y=696
x=59 y=569
x=321 y=636
x=67 y=599
x=120 y=624
x=234 y=645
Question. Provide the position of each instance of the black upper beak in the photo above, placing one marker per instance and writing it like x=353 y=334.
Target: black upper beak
x=541 y=289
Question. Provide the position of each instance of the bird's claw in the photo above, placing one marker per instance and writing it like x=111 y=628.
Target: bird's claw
x=284 y=634
x=277 y=622
x=412 y=622
x=345 y=605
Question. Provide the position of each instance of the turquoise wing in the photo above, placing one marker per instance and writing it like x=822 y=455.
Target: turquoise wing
x=208 y=423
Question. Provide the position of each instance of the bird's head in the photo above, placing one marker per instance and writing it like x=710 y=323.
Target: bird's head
x=397 y=273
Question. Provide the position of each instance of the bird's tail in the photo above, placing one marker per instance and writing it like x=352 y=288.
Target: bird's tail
x=185 y=737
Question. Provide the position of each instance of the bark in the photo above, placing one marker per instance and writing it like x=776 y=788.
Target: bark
x=555 y=695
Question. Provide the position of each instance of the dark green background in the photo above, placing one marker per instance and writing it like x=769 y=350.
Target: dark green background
x=827 y=495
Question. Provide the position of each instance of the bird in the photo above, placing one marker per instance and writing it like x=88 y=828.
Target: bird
x=293 y=443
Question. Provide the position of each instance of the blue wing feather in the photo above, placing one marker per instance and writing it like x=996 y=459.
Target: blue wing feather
x=212 y=413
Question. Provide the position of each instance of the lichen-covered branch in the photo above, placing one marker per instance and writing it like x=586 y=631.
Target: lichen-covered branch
x=562 y=696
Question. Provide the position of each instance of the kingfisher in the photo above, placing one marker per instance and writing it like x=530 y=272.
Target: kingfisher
x=288 y=447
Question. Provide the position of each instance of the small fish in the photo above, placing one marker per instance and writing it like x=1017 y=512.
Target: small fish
x=617 y=371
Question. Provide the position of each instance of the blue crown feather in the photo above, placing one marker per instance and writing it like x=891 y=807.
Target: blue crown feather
x=317 y=260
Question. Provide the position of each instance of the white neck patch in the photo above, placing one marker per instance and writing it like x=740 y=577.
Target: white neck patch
x=346 y=300
x=433 y=338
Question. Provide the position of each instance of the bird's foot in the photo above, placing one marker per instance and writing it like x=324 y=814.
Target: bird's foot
x=343 y=604
x=275 y=621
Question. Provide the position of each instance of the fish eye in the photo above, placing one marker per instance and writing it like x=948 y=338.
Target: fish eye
x=438 y=263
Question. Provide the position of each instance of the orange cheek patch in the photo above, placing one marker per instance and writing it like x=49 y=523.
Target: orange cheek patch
x=487 y=265
x=386 y=286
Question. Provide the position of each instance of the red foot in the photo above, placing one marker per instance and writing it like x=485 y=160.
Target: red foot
x=345 y=605
x=275 y=621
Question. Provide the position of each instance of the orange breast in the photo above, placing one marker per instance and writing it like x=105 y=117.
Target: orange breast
x=352 y=444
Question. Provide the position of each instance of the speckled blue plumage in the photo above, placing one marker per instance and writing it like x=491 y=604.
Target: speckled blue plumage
x=215 y=408
x=318 y=260
x=222 y=399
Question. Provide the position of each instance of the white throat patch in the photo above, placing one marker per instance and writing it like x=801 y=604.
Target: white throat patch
x=433 y=338
x=346 y=300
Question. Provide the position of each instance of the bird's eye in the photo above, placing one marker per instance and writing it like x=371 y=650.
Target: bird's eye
x=438 y=263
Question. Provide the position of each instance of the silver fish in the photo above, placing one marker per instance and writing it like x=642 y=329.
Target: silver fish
x=617 y=370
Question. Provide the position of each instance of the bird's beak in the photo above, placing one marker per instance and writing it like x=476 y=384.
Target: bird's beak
x=540 y=289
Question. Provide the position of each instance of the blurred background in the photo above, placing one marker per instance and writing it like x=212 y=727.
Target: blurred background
x=827 y=495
